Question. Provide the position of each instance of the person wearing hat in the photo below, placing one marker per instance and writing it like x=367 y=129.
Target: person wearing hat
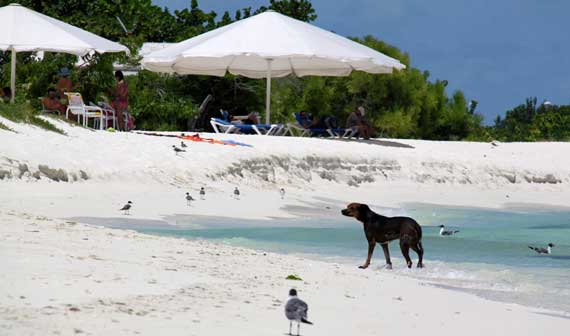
x=64 y=83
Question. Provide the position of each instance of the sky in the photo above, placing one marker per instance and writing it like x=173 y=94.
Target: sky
x=498 y=52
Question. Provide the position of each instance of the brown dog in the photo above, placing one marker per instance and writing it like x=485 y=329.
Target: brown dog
x=382 y=230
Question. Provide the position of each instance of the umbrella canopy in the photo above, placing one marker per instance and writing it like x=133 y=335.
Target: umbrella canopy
x=269 y=45
x=22 y=29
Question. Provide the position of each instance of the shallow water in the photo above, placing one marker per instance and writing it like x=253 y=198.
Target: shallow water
x=489 y=256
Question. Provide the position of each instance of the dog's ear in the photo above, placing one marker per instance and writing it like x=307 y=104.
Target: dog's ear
x=363 y=211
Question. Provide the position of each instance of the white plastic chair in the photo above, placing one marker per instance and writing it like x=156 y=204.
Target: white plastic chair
x=77 y=107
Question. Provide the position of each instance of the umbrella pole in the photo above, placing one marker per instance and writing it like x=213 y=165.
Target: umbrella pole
x=268 y=93
x=13 y=76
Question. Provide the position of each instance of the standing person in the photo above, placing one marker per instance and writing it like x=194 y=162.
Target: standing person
x=121 y=101
x=64 y=83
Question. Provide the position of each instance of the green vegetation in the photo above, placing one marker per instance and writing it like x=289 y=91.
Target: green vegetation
x=406 y=104
x=293 y=277
x=4 y=127
x=25 y=113
x=529 y=122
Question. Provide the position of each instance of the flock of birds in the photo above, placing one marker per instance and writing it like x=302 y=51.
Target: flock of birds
x=540 y=250
x=179 y=150
x=295 y=308
x=189 y=199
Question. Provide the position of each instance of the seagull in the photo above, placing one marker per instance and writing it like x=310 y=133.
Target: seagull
x=182 y=144
x=542 y=250
x=296 y=310
x=177 y=150
x=236 y=193
x=202 y=193
x=444 y=232
x=282 y=193
x=189 y=199
x=126 y=208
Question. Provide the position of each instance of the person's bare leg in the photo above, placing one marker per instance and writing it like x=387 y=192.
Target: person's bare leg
x=121 y=120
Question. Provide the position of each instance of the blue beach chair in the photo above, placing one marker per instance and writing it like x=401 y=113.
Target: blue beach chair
x=331 y=132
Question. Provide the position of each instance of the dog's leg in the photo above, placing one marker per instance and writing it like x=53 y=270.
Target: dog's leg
x=371 y=245
x=418 y=248
x=405 y=247
x=387 y=255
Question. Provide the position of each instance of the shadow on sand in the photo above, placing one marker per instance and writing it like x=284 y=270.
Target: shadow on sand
x=377 y=142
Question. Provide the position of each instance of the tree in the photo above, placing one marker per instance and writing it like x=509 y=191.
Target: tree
x=299 y=9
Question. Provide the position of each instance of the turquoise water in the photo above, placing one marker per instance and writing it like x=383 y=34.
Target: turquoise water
x=489 y=256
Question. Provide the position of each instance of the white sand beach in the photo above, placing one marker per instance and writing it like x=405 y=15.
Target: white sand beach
x=62 y=277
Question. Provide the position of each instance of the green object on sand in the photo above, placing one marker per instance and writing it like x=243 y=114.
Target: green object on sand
x=293 y=277
x=110 y=129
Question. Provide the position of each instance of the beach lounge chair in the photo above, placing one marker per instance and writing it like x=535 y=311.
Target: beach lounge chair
x=223 y=126
x=331 y=132
x=77 y=107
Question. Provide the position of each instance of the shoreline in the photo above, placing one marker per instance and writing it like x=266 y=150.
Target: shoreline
x=169 y=229
x=162 y=281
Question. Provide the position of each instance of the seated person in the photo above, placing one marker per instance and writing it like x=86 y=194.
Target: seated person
x=6 y=94
x=323 y=122
x=52 y=102
x=356 y=120
x=251 y=119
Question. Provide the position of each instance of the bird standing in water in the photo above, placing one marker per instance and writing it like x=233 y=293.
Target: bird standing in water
x=202 y=193
x=542 y=250
x=444 y=232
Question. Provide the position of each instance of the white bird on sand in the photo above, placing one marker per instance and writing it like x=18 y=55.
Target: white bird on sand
x=542 y=250
x=189 y=199
x=296 y=310
x=182 y=144
x=126 y=208
x=177 y=150
x=236 y=193
x=202 y=193
x=444 y=232
x=282 y=193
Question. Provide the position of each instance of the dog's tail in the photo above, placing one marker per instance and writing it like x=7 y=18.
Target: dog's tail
x=455 y=231
x=306 y=321
x=532 y=248
x=421 y=246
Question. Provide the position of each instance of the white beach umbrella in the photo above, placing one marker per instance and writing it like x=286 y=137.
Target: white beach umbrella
x=22 y=29
x=269 y=45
